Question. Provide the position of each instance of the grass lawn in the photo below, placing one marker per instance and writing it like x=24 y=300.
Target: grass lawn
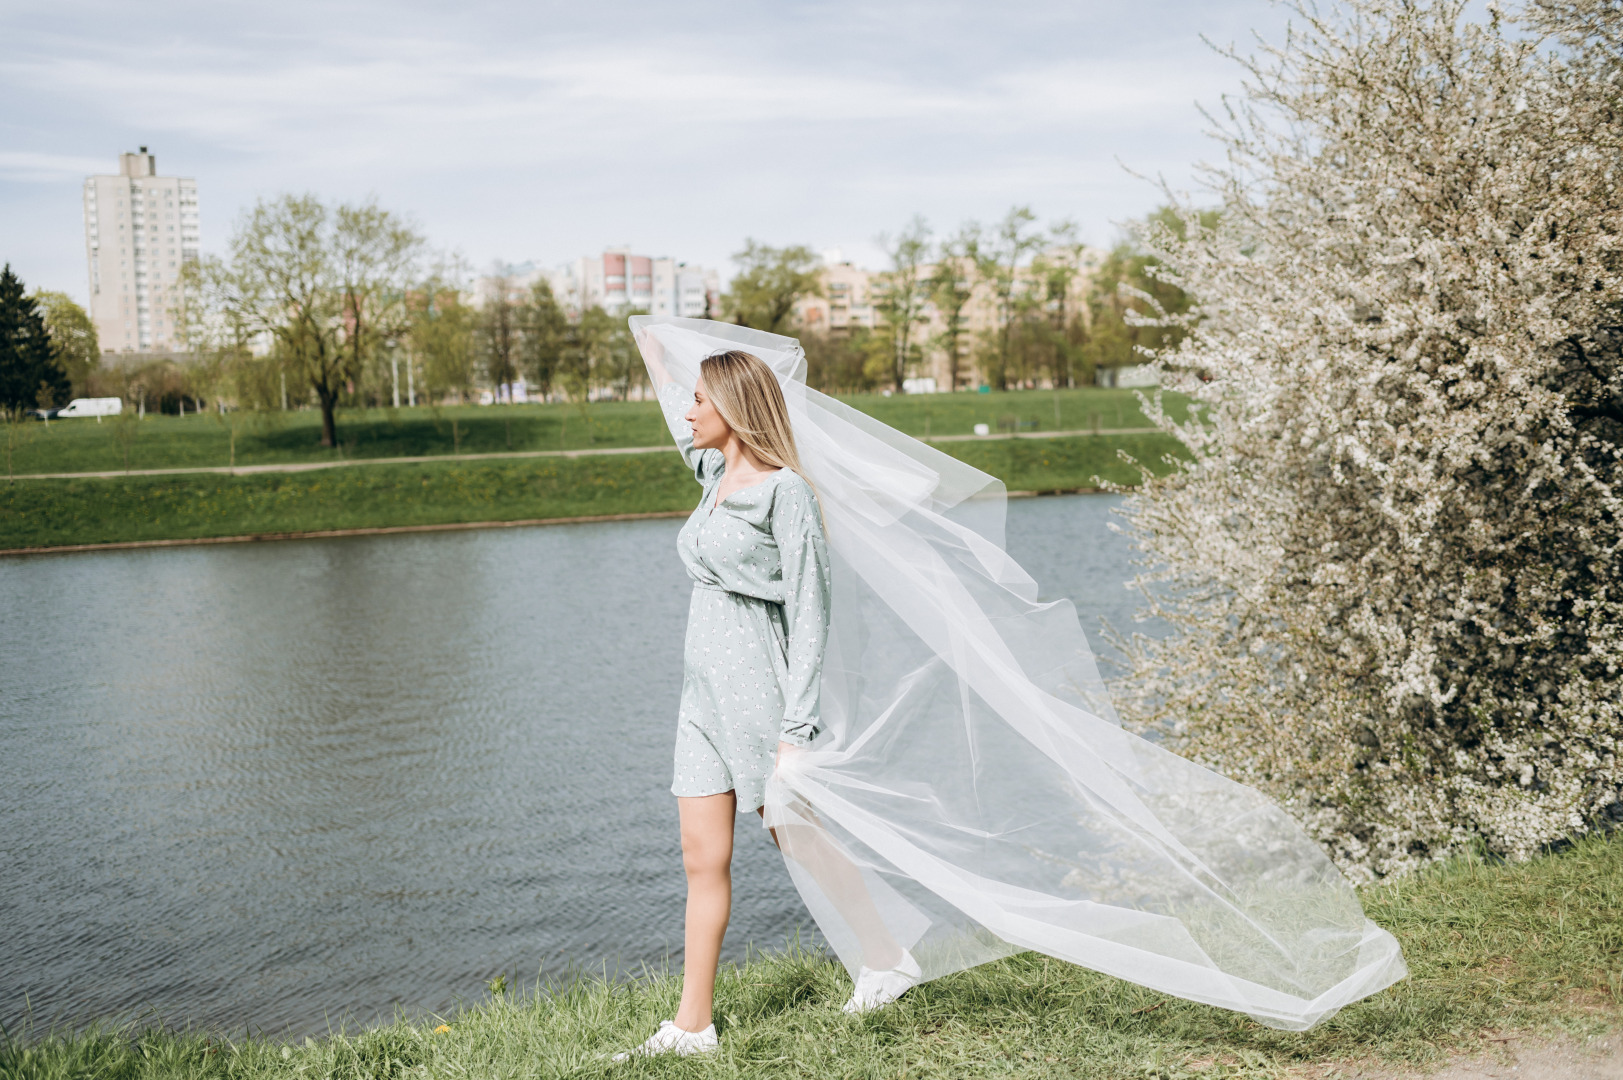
x=1535 y=948
x=45 y=513
x=41 y=513
x=162 y=442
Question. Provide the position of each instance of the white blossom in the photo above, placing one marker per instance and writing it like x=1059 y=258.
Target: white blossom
x=1392 y=564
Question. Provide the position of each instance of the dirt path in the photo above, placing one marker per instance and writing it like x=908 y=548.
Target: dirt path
x=1516 y=1058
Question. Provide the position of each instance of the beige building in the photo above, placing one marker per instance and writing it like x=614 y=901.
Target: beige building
x=850 y=294
x=847 y=300
x=140 y=229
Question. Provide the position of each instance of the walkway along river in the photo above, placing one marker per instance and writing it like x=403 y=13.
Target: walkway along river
x=273 y=785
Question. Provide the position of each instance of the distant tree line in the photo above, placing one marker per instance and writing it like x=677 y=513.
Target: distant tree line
x=340 y=307
x=1007 y=305
x=337 y=306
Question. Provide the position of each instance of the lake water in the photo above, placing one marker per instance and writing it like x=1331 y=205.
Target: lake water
x=273 y=786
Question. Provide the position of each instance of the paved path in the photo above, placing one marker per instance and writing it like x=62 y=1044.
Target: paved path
x=307 y=466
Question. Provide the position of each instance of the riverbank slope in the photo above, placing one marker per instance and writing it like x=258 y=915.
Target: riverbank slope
x=1500 y=956
x=609 y=476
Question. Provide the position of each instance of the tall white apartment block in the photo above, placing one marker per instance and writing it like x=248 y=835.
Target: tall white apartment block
x=140 y=229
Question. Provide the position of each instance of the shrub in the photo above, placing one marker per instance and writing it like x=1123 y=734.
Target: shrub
x=1391 y=564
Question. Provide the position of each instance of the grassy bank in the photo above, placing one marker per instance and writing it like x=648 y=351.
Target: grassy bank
x=169 y=442
x=46 y=513
x=1493 y=950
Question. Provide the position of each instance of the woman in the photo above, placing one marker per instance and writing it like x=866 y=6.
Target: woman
x=955 y=786
x=757 y=626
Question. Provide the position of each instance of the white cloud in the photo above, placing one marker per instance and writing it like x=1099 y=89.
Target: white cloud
x=543 y=130
x=30 y=167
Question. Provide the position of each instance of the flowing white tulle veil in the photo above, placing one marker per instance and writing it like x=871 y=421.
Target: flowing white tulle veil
x=973 y=794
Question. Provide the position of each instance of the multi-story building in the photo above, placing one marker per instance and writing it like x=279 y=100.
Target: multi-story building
x=847 y=300
x=689 y=292
x=851 y=299
x=619 y=280
x=140 y=229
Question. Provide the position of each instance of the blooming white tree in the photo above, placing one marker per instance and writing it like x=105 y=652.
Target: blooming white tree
x=1392 y=564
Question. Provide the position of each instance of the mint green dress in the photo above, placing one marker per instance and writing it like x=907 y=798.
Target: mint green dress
x=757 y=623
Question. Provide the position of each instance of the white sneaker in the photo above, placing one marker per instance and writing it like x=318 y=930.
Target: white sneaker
x=670 y=1039
x=876 y=989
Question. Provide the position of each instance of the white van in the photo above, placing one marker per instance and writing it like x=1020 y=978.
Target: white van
x=91 y=406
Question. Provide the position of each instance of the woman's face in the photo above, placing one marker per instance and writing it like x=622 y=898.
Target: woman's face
x=710 y=431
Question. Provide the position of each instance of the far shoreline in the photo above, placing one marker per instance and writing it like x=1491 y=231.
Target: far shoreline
x=386 y=530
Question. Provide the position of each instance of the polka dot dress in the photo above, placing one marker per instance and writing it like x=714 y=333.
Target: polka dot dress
x=757 y=623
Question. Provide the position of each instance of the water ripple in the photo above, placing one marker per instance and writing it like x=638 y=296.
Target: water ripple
x=275 y=785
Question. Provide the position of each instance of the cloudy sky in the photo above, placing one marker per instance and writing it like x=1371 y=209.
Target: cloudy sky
x=542 y=131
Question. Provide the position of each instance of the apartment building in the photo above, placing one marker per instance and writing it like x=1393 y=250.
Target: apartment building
x=847 y=300
x=619 y=280
x=850 y=295
x=140 y=229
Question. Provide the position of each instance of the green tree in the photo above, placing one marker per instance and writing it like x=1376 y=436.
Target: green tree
x=601 y=354
x=440 y=339
x=769 y=283
x=224 y=364
x=618 y=363
x=376 y=253
x=951 y=286
x=328 y=287
x=1132 y=309
x=499 y=337
x=30 y=375
x=73 y=338
x=999 y=259
x=544 y=337
x=852 y=362
x=901 y=297
x=1055 y=329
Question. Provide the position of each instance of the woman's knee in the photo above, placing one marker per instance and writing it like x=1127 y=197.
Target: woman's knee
x=706 y=851
x=703 y=858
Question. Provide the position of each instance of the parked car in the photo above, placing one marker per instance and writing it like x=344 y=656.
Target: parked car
x=90 y=406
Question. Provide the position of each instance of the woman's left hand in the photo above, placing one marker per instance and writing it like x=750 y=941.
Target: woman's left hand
x=786 y=750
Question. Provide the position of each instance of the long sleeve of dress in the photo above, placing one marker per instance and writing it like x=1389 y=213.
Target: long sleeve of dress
x=798 y=529
x=675 y=403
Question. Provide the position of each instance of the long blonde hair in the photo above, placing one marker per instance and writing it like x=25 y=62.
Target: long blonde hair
x=748 y=397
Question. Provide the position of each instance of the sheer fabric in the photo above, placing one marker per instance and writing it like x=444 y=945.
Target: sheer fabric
x=972 y=794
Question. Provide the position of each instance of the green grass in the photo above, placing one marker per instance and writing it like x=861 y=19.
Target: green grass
x=1065 y=464
x=1535 y=948
x=46 y=513
x=167 y=442
x=41 y=513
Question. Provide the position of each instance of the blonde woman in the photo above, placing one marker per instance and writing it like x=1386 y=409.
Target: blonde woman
x=757 y=626
x=965 y=790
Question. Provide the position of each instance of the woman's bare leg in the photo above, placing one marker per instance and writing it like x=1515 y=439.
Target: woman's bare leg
x=842 y=883
x=707 y=856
